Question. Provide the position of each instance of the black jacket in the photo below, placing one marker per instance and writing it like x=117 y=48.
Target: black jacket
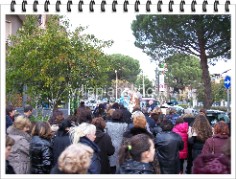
x=168 y=145
x=40 y=155
x=95 y=166
x=59 y=143
x=9 y=168
x=134 y=167
x=103 y=140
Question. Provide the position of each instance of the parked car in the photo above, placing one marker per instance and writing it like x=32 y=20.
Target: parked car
x=216 y=115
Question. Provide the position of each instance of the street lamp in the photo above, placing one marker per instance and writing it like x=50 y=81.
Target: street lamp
x=116 y=83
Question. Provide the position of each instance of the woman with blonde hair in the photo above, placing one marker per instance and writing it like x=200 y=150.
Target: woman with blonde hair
x=19 y=157
x=41 y=148
x=85 y=134
x=75 y=159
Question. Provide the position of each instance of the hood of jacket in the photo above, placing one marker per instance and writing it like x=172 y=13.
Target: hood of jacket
x=14 y=131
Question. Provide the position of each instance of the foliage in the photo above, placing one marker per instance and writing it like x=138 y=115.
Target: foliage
x=127 y=68
x=183 y=71
x=205 y=36
x=53 y=61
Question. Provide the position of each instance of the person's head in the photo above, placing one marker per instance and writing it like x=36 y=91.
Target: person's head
x=22 y=123
x=85 y=115
x=82 y=104
x=99 y=122
x=202 y=127
x=10 y=111
x=179 y=120
x=42 y=129
x=117 y=115
x=75 y=159
x=136 y=150
x=84 y=129
x=139 y=121
x=167 y=125
x=9 y=143
x=221 y=128
x=202 y=111
x=28 y=110
x=58 y=116
x=65 y=125
x=110 y=112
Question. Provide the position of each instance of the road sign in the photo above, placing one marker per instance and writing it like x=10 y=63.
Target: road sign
x=227 y=82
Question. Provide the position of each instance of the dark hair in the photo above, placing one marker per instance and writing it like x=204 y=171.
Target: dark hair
x=179 y=120
x=117 y=115
x=115 y=106
x=82 y=104
x=66 y=123
x=28 y=108
x=99 y=122
x=203 y=111
x=167 y=125
x=9 y=141
x=42 y=129
x=85 y=115
x=134 y=147
x=9 y=109
x=53 y=118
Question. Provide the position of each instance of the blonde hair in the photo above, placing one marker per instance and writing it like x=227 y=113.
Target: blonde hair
x=21 y=121
x=75 y=159
x=80 y=131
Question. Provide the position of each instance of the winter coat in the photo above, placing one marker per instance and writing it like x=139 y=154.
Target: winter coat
x=157 y=129
x=41 y=155
x=197 y=146
x=115 y=130
x=168 y=145
x=9 y=121
x=134 y=167
x=218 y=141
x=9 y=168
x=182 y=130
x=173 y=117
x=103 y=140
x=59 y=143
x=95 y=165
x=19 y=157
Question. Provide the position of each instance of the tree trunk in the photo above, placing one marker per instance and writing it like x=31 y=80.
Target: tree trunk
x=205 y=72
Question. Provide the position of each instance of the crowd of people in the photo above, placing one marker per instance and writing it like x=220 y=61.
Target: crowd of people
x=113 y=140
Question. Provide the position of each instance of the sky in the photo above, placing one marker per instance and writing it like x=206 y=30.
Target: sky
x=117 y=27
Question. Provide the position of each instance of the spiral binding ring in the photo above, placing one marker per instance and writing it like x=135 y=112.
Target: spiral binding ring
x=91 y=4
x=58 y=3
x=216 y=3
x=227 y=3
x=204 y=9
x=170 y=5
x=69 y=3
x=13 y=3
x=35 y=9
x=159 y=5
x=136 y=6
x=181 y=8
x=114 y=3
x=23 y=6
x=80 y=6
x=193 y=5
x=103 y=6
x=47 y=2
x=125 y=6
x=148 y=6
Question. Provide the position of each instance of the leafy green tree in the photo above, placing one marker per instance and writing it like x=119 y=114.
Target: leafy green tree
x=52 y=61
x=183 y=71
x=205 y=36
x=127 y=68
